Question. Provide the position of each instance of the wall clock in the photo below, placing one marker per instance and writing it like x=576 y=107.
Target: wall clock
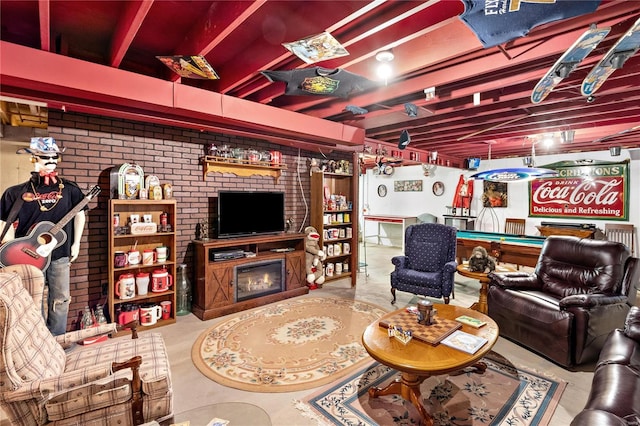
x=382 y=190
x=438 y=188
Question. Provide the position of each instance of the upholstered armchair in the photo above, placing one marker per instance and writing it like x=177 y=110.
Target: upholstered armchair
x=578 y=293
x=121 y=381
x=429 y=264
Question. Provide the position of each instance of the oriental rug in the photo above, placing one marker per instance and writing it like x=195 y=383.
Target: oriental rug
x=502 y=395
x=287 y=346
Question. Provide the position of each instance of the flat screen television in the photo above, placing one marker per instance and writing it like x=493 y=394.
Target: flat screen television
x=242 y=213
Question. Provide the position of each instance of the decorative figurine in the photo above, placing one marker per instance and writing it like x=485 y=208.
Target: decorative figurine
x=204 y=230
x=480 y=261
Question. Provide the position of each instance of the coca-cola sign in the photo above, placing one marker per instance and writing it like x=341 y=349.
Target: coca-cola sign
x=596 y=190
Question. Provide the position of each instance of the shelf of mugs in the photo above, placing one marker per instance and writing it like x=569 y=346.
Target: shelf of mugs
x=337 y=249
x=333 y=234
x=335 y=270
x=149 y=315
x=242 y=166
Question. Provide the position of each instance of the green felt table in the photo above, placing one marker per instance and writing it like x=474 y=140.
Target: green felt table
x=508 y=248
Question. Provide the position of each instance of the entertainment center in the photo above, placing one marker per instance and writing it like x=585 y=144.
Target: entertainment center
x=271 y=269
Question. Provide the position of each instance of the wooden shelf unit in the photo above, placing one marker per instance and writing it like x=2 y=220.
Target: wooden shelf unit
x=125 y=242
x=214 y=289
x=326 y=184
x=241 y=167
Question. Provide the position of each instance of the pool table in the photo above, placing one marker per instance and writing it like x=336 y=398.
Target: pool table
x=509 y=248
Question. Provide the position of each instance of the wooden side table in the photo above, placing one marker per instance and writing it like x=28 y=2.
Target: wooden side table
x=481 y=304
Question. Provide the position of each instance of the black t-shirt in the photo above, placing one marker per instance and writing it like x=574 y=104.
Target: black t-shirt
x=321 y=81
x=43 y=203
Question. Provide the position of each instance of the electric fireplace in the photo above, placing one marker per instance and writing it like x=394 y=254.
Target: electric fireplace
x=258 y=279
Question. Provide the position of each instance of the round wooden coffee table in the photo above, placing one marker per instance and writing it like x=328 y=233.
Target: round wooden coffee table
x=417 y=360
x=481 y=304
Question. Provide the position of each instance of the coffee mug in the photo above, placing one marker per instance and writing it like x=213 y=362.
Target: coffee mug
x=120 y=259
x=161 y=280
x=126 y=286
x=166 y=309
x=275 y=157
x=162 y=253
x=147 y=218
x=149 y=257
x=149 y=315
x=134 y=218
x=134 y=257
x=128 y=313
x=142 y=283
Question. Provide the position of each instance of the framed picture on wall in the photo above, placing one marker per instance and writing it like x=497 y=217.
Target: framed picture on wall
x=438 y=188
x=494 y=194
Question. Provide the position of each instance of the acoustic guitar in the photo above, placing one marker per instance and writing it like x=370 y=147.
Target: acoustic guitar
x=36 y=247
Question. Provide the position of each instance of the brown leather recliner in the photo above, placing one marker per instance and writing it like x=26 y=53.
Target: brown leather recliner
x=577 y=294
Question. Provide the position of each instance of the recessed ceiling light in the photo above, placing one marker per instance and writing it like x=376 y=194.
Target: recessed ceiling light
x=385 y=56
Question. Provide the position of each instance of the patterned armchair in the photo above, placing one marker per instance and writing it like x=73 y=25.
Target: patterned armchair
x=429 y=263
x=122 y=381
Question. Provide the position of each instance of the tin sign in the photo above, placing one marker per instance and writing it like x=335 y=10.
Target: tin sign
x=587 y=191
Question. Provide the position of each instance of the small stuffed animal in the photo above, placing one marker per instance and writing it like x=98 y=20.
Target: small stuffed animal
x=480 y=261
x=314 y=166
x=313 y=258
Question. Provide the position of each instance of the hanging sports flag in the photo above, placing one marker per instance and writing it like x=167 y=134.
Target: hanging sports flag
x=499 y=21
x=190 y=67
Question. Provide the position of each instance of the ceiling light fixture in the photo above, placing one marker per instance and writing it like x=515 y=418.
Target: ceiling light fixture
x=567 y=136
x=429 y=93
x=384 y=70
x=385 y=56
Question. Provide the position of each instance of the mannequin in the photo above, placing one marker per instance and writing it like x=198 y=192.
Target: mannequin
x=48 y=197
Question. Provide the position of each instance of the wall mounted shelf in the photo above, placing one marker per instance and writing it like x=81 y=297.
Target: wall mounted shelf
x=240 y=167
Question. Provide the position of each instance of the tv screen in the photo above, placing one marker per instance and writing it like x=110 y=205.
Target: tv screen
x=249 y=213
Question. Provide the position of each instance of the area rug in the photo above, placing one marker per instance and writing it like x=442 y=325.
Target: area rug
x=287 y=346
x=502 y=395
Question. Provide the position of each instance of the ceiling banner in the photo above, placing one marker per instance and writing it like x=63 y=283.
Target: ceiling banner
x=582 y=190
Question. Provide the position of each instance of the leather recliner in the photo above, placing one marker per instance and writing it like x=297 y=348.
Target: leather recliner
x=613 y=399
x=564 y=310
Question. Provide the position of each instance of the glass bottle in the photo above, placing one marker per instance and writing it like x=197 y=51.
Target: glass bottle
x=183 y=289
x=99 y=314
x=87 y=318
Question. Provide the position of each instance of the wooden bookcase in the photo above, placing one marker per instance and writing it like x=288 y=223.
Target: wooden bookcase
x=124 y=242
x=328 y=220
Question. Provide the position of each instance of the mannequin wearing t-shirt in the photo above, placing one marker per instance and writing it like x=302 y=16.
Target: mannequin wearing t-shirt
x=48 y=197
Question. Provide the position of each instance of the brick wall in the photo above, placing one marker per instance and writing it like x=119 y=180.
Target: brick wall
x=95 y=144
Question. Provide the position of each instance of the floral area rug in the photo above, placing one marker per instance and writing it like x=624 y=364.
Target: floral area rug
x=502 y=395
x=287 y=346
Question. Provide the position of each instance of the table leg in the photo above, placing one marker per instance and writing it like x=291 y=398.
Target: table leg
x=481 y=304
x=408 y=386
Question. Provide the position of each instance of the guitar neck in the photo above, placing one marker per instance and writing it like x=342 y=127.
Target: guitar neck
x=58 y=226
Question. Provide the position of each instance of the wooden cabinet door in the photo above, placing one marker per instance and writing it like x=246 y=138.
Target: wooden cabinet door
x=294 y=265
x=219 y=286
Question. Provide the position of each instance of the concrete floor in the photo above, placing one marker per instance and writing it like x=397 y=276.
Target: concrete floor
x=192 y=389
